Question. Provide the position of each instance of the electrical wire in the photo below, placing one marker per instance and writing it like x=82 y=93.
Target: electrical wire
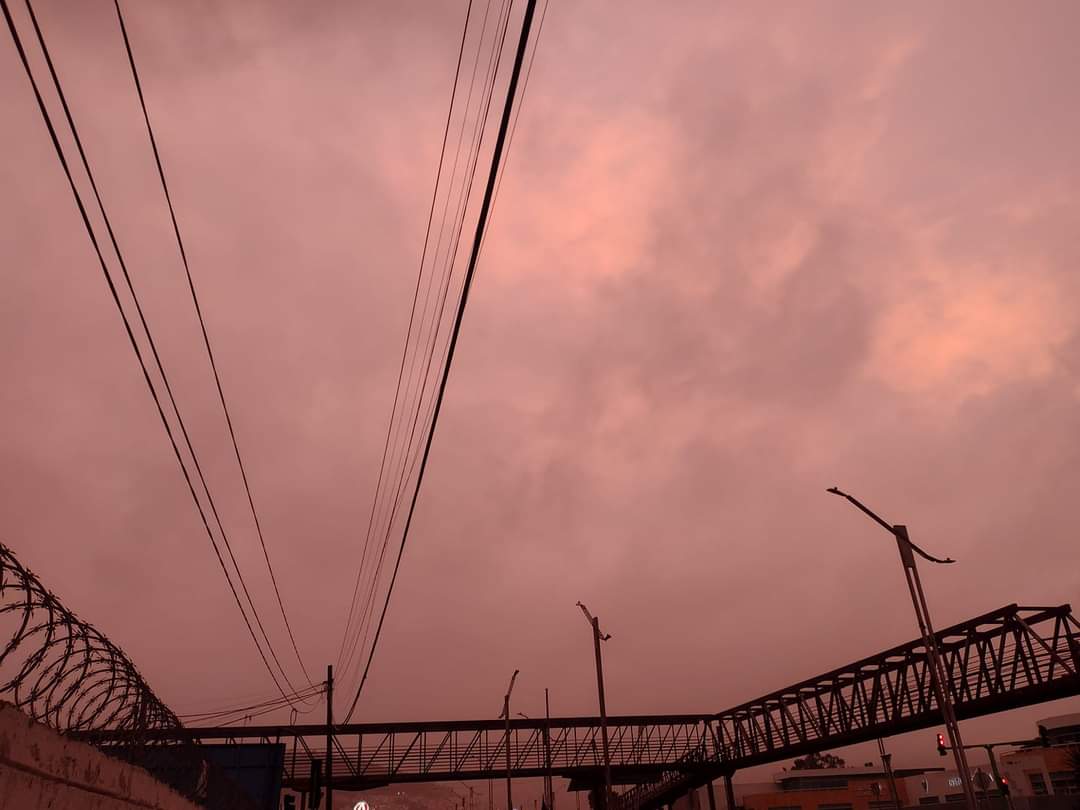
x=481 y=223
x=363 y=629
x=412 y=315
x=412 y=449
x=405 y=472
x=205 y=335
x=268 y=705
x=517 y=115
x=47 y=118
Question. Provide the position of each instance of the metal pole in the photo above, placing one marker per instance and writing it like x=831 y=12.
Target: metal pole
x=937 y=670
x=509 y=794
x=938 y=683
x=292 y=768
x=506 y=714
x=886 y=761
x=603 y=713
x=549 y=791
x=729 y=791
x=330 y=737
x=712 y=796
x=997 y=774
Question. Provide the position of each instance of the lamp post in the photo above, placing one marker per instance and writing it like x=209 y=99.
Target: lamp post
x=506 y=714
x=597 y=638
x=938 y=683
x=886 y=763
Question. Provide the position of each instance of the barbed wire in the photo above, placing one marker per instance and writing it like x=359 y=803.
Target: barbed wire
x=62 y=671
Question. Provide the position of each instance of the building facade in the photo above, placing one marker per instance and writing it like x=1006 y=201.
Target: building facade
x=1042 y=769
x=864 y=788
x=1046 y=770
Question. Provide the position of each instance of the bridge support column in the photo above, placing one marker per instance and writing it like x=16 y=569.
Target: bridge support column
x=729 y=791
x=712 y=795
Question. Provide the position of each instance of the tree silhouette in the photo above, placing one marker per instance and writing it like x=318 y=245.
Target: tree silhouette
x=817 y=760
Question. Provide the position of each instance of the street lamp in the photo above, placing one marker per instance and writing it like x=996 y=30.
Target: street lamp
x=506 y=714
x=597 y=638
x=922 y=616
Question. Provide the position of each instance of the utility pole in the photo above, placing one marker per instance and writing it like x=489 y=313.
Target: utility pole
x=886 y=761
x=997 y=776
x=292 y=722
x=506 y=714
x=329 y=737
x=597 y=638
x=549 y=792
x=938 y=681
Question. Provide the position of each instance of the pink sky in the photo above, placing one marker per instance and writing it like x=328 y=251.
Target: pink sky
x=742 y=252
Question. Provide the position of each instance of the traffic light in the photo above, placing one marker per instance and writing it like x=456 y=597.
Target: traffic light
x=290 y=802
x=316 y=784
x=1044 y=737
x=941 y=748
x=1004 y=786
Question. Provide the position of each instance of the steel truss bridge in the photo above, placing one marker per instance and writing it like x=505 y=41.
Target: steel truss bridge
x=1006 y=659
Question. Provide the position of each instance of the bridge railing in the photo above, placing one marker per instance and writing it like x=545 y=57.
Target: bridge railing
x=1009 y=657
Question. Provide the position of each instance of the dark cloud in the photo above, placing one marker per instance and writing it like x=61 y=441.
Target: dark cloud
x=738 y=256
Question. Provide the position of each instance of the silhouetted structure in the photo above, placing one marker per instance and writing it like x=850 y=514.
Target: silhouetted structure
x=1010 y=657
x=62 y=671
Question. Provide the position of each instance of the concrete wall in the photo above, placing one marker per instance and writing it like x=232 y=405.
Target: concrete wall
x=40 y=769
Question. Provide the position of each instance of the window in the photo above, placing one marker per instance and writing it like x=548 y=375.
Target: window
x=1038 y=784
x=835 y=806
x=1064 y=782
x=929 y=800
x=815 y=783
x=787 y=807
x=882 y=804
x=954 y=797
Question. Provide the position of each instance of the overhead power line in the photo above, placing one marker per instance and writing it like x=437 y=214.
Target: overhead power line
x=413 y=442
x=517 y=112
x=254 y=709
x=412 y=316
x=47 y=118
x=410 y=448
x=386 y=515
x=205 y=335
x=481 y=223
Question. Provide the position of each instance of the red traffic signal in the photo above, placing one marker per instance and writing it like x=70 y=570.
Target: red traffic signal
x=1004 y=786
x=941 y=748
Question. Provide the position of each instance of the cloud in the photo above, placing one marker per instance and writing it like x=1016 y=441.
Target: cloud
x=738 y=256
